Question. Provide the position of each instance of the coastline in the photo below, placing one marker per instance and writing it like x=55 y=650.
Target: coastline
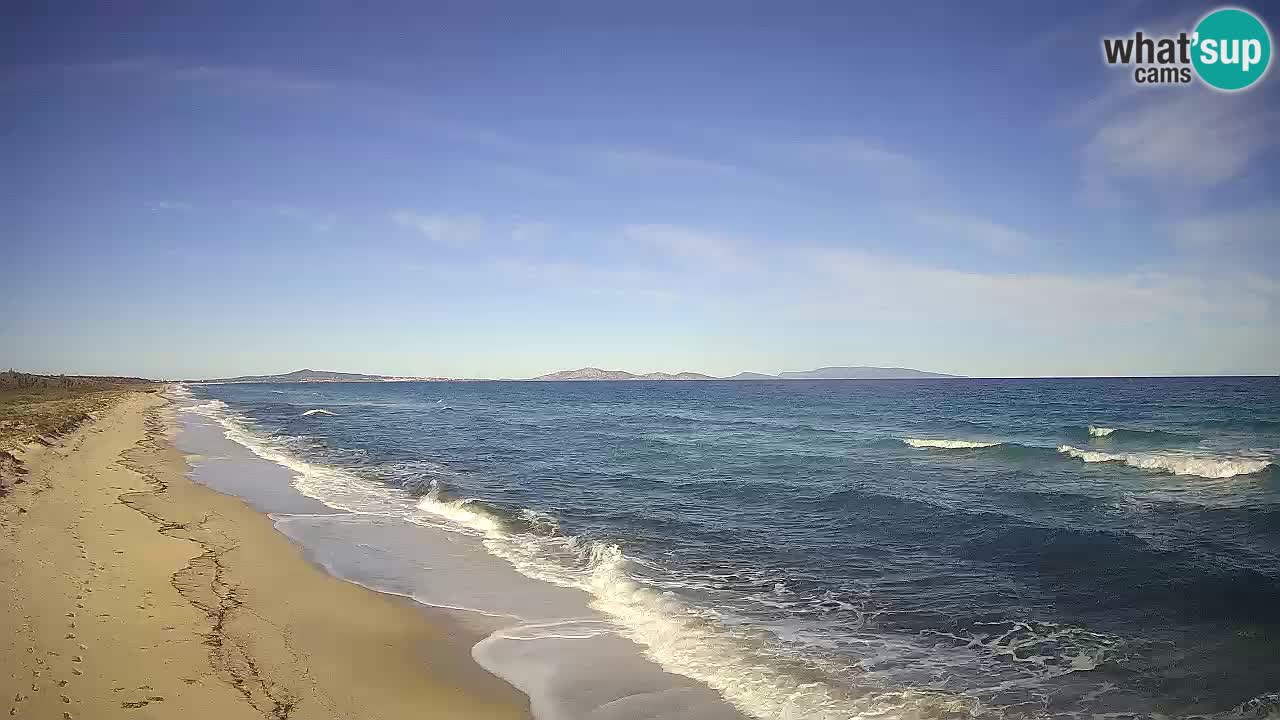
x=542 y=634
x=134 y=590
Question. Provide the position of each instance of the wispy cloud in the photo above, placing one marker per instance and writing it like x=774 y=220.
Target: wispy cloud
x=441 y=229
x=531 y=232
x=1086 y=27
x=1249 y=236
x=244 y=77
x=317 y=222
x=256 y=78
x=1045 y=303
x=171 y=206
x=636 y=159
x=532 y=177
x=1231 y=313
x=458 y=231
x=1179 y=144
x=581 y=278
x=690 y=246
x=856 y=153
x=995 y=237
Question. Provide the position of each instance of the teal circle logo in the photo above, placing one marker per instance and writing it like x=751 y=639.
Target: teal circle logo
x=1232 y=49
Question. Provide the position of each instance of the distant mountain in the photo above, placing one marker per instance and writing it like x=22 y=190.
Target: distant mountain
x=592 y=373
x=827 y=373
x=308 y=376
x=752 y=376
x=588 y=373
x=677 y=376
x=861 y=373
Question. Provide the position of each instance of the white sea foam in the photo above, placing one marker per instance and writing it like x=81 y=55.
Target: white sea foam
x=457 y=511
x=334 y=487
x=1178 y=463
x=1073 y=649
x=318 y=411
x=688 y=640
x=947 y=444
x=1099 y=431
x=739 y=662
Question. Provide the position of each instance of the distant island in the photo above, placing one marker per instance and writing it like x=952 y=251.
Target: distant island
x=591 y=373
x=594 y=373
x=311 y=376
x=826 y=373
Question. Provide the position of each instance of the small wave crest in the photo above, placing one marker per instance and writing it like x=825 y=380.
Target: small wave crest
x=468 y=513
x=1177 y=463
x=318 y=411
x=1137 y=434
x=948 y=444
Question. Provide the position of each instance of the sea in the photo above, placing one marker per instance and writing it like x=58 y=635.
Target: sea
x=952 y=548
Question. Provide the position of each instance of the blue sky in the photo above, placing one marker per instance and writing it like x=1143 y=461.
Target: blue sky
x=502 y=190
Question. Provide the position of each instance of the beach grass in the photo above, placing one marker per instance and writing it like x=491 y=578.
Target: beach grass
x=40 y=408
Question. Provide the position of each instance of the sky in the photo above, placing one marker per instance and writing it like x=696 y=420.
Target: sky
x=507 y=189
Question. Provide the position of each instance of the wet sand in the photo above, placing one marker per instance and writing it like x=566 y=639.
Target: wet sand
x=134 y=592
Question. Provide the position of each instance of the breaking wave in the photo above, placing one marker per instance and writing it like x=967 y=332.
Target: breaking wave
x=318 y=412
x=686 y=639
x=1177 y=463
x=1137 y=434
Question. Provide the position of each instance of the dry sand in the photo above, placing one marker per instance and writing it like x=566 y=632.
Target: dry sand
x=134 y=592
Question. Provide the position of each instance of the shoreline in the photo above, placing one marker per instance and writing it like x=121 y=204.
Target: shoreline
x=133 y=586
x=548 y=638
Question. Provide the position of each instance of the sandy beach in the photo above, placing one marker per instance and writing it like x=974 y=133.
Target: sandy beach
x=134 y=592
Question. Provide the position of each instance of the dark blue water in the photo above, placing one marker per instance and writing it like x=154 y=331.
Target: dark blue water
x=1054 y=571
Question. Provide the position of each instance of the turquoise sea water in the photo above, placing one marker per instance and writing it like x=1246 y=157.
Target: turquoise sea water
x=826 y=549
